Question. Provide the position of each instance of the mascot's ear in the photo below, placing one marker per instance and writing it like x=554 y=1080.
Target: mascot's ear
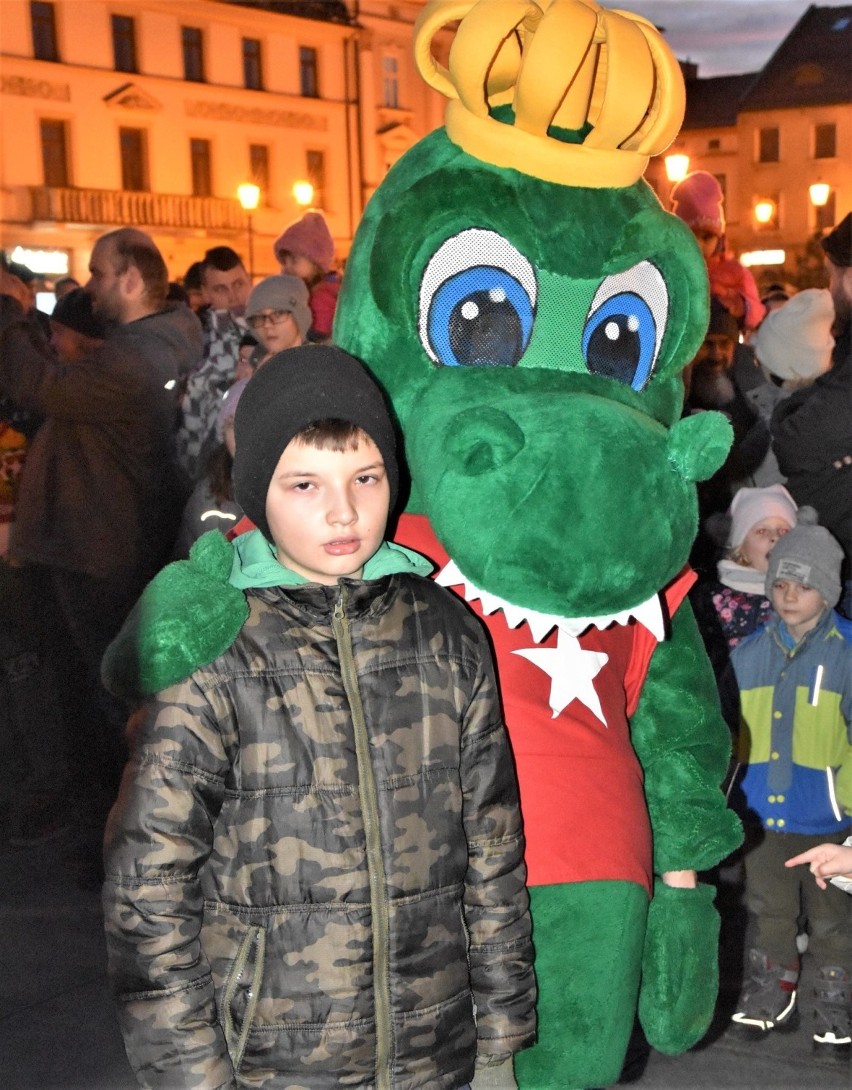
x=697 y=445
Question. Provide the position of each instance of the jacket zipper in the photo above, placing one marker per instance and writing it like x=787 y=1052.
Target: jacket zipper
x=255 y=936
x=375 y=867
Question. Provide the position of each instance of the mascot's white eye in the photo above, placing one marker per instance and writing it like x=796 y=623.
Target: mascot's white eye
x=625 y=325
x=477 y=301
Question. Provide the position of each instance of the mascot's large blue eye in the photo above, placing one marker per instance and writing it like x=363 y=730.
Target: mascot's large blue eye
x=477 y=302
x=625 y=325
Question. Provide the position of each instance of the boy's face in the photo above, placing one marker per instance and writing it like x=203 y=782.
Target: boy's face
x=799 y=607
x=327 y=509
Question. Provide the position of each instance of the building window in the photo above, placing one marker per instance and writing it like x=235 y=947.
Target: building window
x=199 y=153
x=769 y=146
x=390 y=81
x=193 y=54
x=252 y=70
x=315 y=168
x=134 y=160
x=825 y=141
x=259 y=169
x=43 y=22
x=825 y=216
x=714 y=145
x=54 y=153
x=124 y=43
x=308 y=82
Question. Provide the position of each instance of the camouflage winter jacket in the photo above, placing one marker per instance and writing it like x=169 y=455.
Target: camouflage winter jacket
x=315 y=867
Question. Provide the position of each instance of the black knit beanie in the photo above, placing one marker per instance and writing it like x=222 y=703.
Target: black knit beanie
x=295 y=388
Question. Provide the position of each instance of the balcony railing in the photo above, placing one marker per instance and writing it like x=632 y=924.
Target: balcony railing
x=111 y=206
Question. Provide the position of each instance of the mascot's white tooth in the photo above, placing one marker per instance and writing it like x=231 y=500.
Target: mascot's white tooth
x=650 y=614
x=540 y=624
x=515 y=616
x=449 y=575
x=490 y=602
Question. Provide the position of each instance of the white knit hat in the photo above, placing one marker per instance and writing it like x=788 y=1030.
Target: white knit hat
x=751 y=505
x=794 y=341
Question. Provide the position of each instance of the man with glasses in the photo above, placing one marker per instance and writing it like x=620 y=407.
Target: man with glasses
x=278 y=314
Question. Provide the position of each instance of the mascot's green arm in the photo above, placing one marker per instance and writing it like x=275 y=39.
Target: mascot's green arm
x=684 y=747
x=188 y=615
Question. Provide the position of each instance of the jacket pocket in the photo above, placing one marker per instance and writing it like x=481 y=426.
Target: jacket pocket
x=239 y=1001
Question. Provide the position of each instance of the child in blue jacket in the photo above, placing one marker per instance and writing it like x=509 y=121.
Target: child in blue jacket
x=795 y=750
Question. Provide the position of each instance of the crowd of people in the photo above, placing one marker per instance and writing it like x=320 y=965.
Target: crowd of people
x=139 y=416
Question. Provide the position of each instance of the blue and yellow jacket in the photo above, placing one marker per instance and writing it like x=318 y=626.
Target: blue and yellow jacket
x=795 y=744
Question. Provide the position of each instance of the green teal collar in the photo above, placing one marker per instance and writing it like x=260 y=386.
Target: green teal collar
x=256 y=565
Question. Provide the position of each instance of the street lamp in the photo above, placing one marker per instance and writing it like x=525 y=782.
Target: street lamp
x=677 y=167
x=303 y=192
x=764 y=210
x=249 y=197
x=819 y=192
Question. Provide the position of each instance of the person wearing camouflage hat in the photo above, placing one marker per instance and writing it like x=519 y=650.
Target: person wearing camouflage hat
x=315 y=873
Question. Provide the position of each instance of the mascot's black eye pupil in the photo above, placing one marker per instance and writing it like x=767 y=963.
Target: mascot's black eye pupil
x=614 y=348
x=486 y=329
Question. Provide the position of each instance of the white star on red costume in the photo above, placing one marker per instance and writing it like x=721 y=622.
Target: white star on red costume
x=572 y=672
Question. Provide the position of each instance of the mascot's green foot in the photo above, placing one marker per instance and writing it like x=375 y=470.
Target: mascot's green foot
x=589 y=939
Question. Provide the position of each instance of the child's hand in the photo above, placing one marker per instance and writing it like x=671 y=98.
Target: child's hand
x=826 y=861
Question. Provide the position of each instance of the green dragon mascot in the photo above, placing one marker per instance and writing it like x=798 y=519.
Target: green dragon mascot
x=529 y=308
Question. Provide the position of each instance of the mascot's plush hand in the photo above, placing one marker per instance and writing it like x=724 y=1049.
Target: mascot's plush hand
x=680 y=972
x=187 y=616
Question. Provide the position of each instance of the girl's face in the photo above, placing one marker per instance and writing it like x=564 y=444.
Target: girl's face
x=707 y=240
x=757 y=543
x=301 y=266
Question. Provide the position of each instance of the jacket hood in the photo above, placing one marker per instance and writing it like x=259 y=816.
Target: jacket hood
x=170 y=340
x=255 y=564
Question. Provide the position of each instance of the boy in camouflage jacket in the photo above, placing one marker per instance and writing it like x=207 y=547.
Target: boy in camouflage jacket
x=314 y=870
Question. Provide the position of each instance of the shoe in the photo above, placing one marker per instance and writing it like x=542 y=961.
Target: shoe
x=768 y=1000
x=833 y=1012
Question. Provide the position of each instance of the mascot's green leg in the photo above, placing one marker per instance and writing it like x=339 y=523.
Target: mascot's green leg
x=589 y=939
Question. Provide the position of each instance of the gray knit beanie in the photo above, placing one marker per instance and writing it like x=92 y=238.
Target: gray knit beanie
x=808 y=554
x=282 y=293
x=298 y=387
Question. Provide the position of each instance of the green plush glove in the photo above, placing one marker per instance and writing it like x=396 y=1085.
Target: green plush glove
x=187 y=615
x=680 y=967
x=494 y=1073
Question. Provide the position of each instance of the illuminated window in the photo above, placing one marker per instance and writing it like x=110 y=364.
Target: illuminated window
x=199 y=153
x=54 y=153
x=252 y=68
x=43 y=23
x=124 y=43
x=308 y=81
x=134 y=159
x=193 y=54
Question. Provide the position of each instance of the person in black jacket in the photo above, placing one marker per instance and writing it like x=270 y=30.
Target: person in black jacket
x=812 y=430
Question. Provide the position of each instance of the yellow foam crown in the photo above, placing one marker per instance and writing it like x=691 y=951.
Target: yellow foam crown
x=560 y=64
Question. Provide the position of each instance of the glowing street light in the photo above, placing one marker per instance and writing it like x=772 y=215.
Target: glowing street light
x=764 y=211
x=249 y=197
x=677 y=167
x=819 y=192
x=303 y=192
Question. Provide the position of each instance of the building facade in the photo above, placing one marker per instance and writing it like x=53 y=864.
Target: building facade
x=770 y=136
x=154 y=112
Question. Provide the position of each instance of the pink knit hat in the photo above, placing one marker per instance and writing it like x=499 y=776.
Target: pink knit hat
x=308 y=237
x=697 y=200
x=751 y=505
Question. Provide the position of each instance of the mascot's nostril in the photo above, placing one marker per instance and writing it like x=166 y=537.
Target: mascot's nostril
x=484 y=441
